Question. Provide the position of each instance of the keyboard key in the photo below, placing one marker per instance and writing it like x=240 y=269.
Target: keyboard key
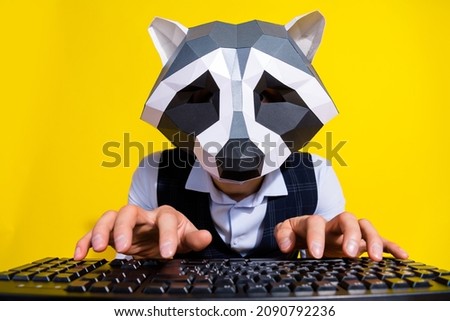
x=375 y=285
x=94 y=263
x=445 y=280
x=150 y=263
x=202 y=288
x=263 y=279
x=220 y=282
x=416 y=282
x=77 y=271
x=353 y=286
x=65 y=277
x=24 y=276
x=405 y=273
x=59 y=261
x=255 y=289
x=366 y=276
x=114 y=277
x=225 y=289
x=328 y=277
x=396 y=283
x=44 y=276
x=279 y=289
x=344 y=276
x=95 y=276
x=324 y=287
x=117 y=262
x=384 y=275
x=7 y=275
x=415 y=265
x=101 y=287
x=135 y=278
x=183 y=278
x=179 y=288
x=287 y=278
x=426 y=267
x=131 y=265
x=79 y=286
x=301 y=288
x=125 y=287
x=440 y=272
x=57 y=269
x=158 y=287
x=306 y=278
x=204 y=279
x=427 y=274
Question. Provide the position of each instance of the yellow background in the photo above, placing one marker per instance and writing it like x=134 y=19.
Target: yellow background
x=75 y=76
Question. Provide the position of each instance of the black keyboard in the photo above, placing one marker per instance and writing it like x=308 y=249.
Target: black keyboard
x=229 y=279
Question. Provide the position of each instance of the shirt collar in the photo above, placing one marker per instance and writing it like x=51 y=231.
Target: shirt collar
x=199 y=180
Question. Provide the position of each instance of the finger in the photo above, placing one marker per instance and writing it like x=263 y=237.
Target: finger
x=374 y=242
x=82 y=247
x=395 y=250
x=285 y=235
x=102 y=231
x=197 y=240
x=347 y=224
x=315 y=235
x=307 y=230
x=127 y=218
x=167 y=222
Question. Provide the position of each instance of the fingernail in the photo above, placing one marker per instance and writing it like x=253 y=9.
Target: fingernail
x=377 y=251
x=352 y=247
x=120 y=242
x=316 y=249
x=404 y=254
x=77 y=253
x=166 y=250
x=96 y=241
x=285 y=244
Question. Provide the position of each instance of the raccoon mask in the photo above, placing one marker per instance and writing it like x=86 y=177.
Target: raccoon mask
x=241 y=97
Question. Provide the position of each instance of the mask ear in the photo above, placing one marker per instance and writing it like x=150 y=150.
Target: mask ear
x=167 y=36
x=307 y=32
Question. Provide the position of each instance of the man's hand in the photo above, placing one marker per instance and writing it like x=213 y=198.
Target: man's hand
x=159 y=233
x=344 y=235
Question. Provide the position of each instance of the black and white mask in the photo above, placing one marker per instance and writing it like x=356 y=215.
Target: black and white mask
x=241 y=97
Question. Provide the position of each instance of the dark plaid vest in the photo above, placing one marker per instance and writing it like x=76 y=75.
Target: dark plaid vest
x=298 y=174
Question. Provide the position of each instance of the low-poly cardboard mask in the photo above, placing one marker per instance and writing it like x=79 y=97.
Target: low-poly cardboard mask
x=241 y=97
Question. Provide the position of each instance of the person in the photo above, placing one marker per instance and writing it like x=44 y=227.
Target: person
x=239 y=200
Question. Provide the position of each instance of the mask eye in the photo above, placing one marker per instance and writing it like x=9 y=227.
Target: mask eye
x=201 y=95
x=271 y=95
x=192 y=110
x=281 y=109
x=270 y=90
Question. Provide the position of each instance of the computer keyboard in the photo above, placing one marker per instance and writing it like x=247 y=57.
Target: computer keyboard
x=229 y=279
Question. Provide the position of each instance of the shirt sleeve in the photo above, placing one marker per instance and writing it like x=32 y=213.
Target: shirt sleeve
x=144 y=183
x=330 y=200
